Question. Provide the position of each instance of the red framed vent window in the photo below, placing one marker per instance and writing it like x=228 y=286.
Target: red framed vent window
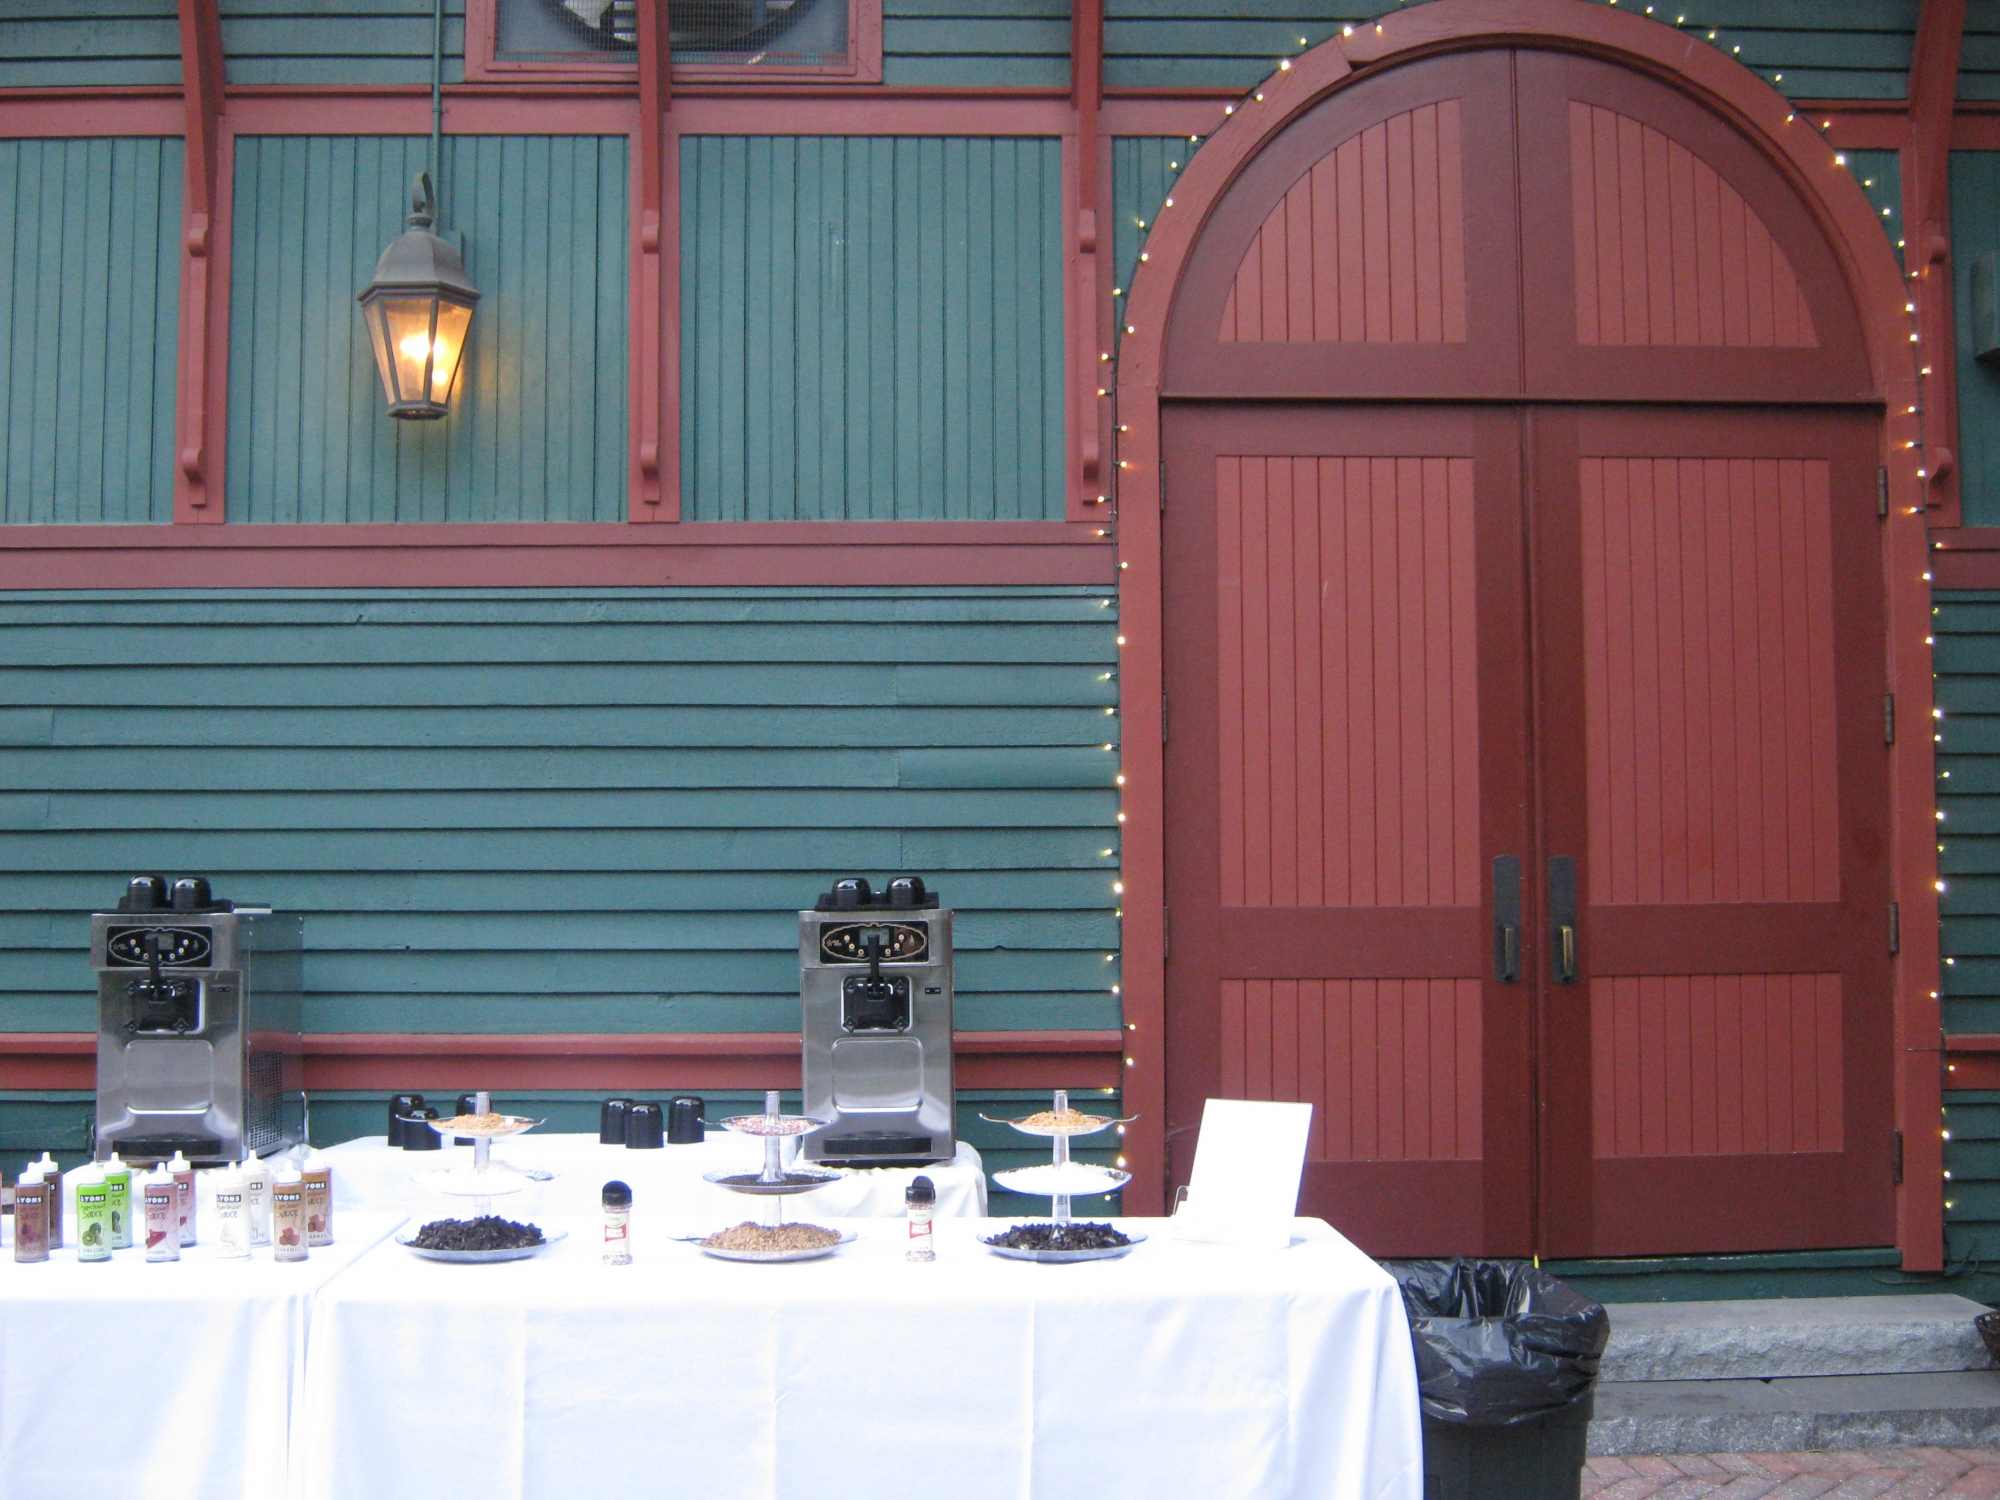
x=513 y=40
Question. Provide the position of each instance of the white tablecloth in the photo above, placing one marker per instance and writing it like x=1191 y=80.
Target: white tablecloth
x=171 y=1381
x=1180 y=1372
x=368 y=1173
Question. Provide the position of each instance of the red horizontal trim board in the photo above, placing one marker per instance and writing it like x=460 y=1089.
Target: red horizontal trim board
x=392 y=1061
x=1972 y=1061
x=609 y=554
x=1965 y=557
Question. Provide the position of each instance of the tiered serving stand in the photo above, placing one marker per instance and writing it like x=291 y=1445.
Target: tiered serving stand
x=482 y=1181
x=1063 y=1179
x=775 y=1181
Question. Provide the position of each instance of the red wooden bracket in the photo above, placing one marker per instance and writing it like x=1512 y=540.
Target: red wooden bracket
x=1089 y=466
x=201 y=392
x=656 y=488
x=1933 y=91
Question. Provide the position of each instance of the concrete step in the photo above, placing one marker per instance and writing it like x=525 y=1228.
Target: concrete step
x=1947 y=1409
x=1779 y=1338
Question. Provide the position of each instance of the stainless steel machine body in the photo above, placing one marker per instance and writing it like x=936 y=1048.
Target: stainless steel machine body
x=198 y=1029
x=875 y=995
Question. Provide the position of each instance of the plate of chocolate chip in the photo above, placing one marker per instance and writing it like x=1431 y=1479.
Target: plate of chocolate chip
x=486 y=1238
x=1061 y=1243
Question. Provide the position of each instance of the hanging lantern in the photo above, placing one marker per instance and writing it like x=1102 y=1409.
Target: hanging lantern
x=418 y=310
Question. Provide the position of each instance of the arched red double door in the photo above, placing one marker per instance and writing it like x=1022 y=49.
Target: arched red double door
x=1525 y=763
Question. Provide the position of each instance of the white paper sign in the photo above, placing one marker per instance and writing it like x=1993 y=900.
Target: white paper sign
x=1247 y=1162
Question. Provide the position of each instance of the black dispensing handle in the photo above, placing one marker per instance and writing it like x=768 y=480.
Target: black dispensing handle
x=1507 y=919
x=1562 y=919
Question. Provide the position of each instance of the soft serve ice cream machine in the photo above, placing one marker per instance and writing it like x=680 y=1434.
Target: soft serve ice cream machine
x=875 y=993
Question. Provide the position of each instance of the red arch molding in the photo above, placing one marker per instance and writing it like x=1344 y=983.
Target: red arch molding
x=1875 y=282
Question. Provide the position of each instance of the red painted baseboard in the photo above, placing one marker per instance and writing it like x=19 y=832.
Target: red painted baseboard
x=394 y=1061
x=1972 y=1061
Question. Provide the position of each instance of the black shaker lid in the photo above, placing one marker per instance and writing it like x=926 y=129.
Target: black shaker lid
x=617 y=1195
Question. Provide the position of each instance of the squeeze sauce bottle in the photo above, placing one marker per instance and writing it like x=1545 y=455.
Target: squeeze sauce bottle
x=288 y=1215
x=52 y=1174
x=317 y=1175
x=118 y=1198
x=232 y=1218
x=93 y=1214
x=31 y=1217
x=183 y=1172
x=160 y=1205
x=257 y=1198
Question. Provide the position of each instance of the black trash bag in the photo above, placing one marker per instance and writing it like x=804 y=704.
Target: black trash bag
x=1498 y=1341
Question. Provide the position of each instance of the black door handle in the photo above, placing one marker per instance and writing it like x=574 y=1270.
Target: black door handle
x=1506 y=919
x=1562 y=918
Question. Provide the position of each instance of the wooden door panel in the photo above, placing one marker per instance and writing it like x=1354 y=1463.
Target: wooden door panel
x=1710 y=737
x=1346 y=756
x=1350 y=258
x=1663 y=256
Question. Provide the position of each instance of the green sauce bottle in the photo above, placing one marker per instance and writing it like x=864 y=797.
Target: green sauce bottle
x=93 y=1214
x=118 y=1196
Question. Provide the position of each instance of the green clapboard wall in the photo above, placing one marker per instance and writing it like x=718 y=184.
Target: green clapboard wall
x=537 y=430
x=1143 y=172
x=1825 y=49
x=84 y=43
x=976 y=43
x=338 y=41
x=1975 y=229
x=1979 y=52
x=592 y=810
x=89 y=305
x=1966 y=657
x=871 y=328
x=1880 y=174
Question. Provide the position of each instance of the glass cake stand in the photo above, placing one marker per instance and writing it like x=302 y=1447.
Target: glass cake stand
x=1062 y=1179
x=483 y=1179
x=775 y=1181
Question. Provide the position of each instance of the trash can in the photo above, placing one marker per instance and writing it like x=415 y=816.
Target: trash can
x=1506 y=1369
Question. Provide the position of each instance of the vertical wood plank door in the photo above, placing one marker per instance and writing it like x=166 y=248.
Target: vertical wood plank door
x=1346 y=757
x=1709 y=626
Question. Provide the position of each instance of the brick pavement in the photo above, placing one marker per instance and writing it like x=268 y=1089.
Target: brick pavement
x=1864 y=1474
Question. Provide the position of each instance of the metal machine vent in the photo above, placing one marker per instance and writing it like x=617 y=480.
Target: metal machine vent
x=263 y=1085
x=745 y=33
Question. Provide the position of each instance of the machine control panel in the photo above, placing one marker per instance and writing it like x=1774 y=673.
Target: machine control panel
x=180 y=947
x=883 y=942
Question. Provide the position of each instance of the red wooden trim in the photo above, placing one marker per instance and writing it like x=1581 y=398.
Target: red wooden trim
x=1965 y=557
x=655 y=482
x=1868 y=263
x=1089 y=484
x=81 y=113
x=1927 y=239
x=1180 y=115
x=1971 y=1061
x=392 y=1061
x=710 y=554
x=200 y=409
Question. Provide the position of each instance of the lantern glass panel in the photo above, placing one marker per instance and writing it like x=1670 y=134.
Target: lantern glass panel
x=448 y=346
x=378 y=340
x=408 y=322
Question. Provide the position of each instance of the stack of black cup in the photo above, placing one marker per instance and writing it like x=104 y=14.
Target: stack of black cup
x=409 y=1124
x=645 y=1127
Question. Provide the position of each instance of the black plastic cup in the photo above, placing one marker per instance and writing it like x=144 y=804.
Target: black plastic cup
x=684 y=1120
x=611 y=1121
x=645 y=1127
x=417 y=1132
x=400 y=1105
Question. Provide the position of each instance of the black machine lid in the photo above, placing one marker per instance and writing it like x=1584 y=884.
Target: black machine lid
x=190 y=893
x=852 y=893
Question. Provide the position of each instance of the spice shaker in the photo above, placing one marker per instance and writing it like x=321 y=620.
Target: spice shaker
x=617 y=1224
x=160 y=1203
x=920 y=1200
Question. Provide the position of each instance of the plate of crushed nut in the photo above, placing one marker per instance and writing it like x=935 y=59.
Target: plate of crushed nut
x=1054 y=1122
x=491 y=1126
x=772 y=1242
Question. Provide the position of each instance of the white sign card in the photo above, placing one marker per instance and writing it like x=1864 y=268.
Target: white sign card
x=1247 y=1162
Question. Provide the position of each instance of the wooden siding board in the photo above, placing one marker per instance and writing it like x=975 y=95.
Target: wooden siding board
x=338 y=41
x=1967 y=630
x=976 y=43
x=89 y=296
x=87 y=43
x=1975 y=221
x=914 y=286
x=1143 y=171
x=537 y=428
x=667 y=883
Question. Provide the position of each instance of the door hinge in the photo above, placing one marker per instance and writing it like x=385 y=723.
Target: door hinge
x=1888 y=718
x=1882 y=490
x=1896 y=1159
x=1895 y=928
